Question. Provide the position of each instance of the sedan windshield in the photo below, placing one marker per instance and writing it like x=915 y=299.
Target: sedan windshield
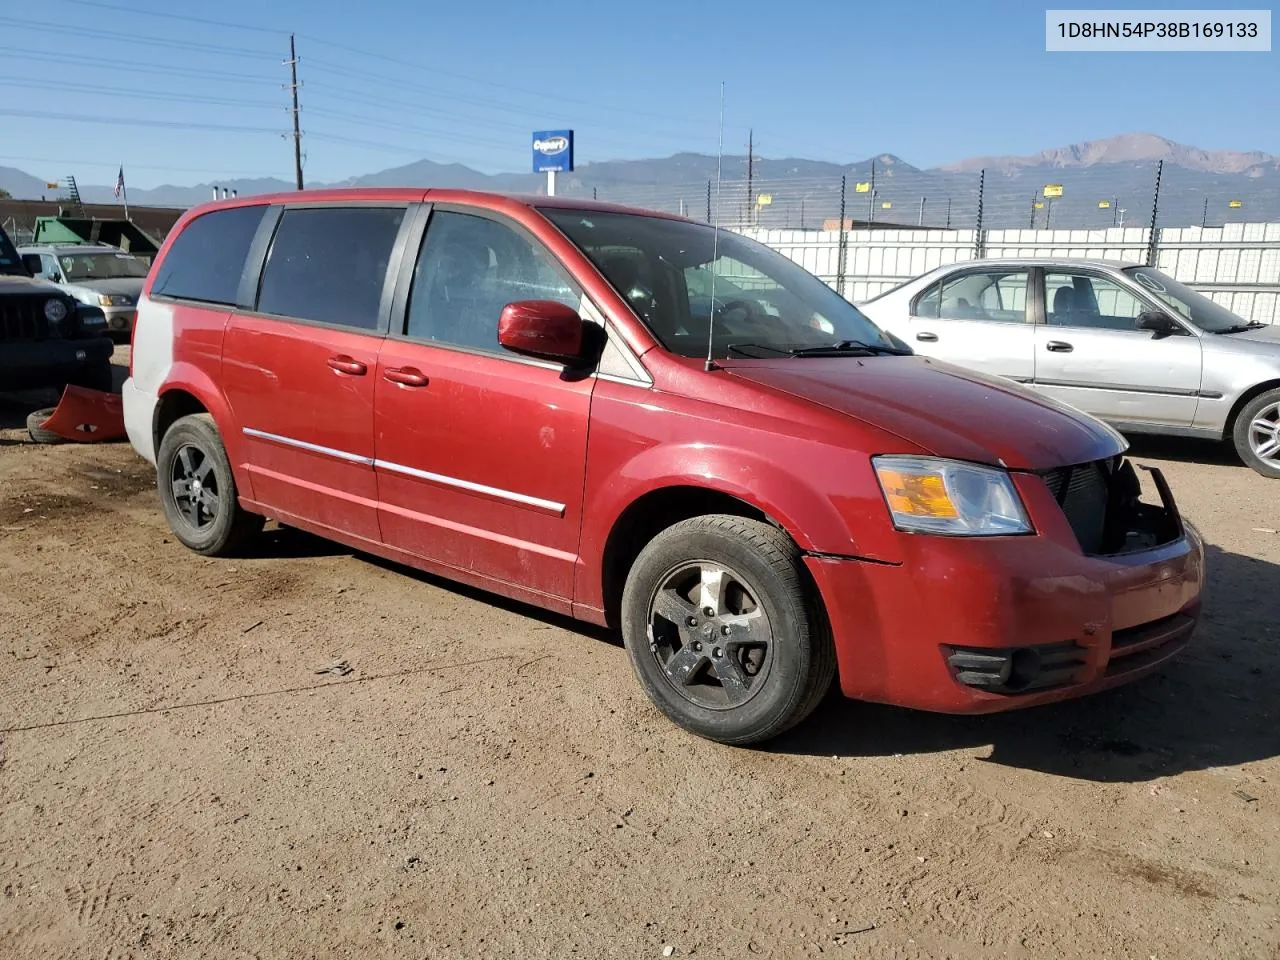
x=1195 y=307
x=101 y=266
x=687 y=284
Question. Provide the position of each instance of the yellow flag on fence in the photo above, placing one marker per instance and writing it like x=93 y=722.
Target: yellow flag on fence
x=1053 y=190
x=1235 y=203
x=886 y=205
x=862 y=187
x=764 y=199
x=1039 y=204
x=1103 y=204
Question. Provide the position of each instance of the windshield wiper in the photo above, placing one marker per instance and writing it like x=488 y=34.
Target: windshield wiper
x=1242 y=327
x=849 y=348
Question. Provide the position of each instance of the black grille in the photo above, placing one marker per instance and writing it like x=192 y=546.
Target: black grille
x=22 y=317
x=1083 y=492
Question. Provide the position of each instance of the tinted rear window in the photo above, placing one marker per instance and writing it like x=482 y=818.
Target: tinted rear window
x=329 y=264
x=207 y=258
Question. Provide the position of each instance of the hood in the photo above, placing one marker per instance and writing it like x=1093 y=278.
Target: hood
x=949 y=411
x=21 y=284
x=131 y=286
x=1267 y=334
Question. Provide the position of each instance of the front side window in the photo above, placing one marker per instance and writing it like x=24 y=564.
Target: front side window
x=101 y=266
x=998 y=296
x=205 y=261
x=468 y=269
x=1083 y=300
x=329 y=265
x=688 y=283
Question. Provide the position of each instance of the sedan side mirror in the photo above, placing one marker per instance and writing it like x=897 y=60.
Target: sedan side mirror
x=1157 y=322
x=541 y=328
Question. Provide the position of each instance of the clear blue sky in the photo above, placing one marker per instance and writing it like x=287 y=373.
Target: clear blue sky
x=932 y=82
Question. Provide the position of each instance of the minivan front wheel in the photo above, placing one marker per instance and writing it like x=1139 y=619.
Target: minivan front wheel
x=724 y=631
x=198 y=491
x=1257 y=434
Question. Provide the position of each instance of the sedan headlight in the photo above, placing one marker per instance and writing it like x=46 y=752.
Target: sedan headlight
x=55 y=311
x=930 y=495
x=114 y=300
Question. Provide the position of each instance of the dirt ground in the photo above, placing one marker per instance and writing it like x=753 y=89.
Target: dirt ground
x=178 y=778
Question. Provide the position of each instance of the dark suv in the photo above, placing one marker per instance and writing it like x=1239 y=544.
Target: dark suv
x=47 y=338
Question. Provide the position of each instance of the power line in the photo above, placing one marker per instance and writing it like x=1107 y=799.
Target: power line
x=135 y=122
x=94 y=4
x=60 y=57
x=97 y=34
x=139 y=94
x=111 y=165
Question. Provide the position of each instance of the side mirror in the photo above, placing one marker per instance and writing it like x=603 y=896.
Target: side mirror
x=1157 y=322
x=541 y=328
x=32 y=262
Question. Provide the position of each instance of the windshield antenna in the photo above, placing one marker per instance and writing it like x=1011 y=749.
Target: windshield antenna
x=715 y=240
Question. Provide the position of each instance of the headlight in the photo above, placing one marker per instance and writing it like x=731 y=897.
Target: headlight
x=114 y=300
x=55 y=311
x=929 y=495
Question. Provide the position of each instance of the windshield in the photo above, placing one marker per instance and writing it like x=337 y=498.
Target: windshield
x=10 y=262
x=764 y=305
x=101 y=266
x=1195 y=307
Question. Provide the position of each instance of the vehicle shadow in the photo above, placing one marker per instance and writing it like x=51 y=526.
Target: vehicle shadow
x=1214 y=706
x=1186 y=450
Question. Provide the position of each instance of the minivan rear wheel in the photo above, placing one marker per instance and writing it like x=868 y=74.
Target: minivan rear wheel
x=724 y=629
x=198 y=490
x=1257 y=433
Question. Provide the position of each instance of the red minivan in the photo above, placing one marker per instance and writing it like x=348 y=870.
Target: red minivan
x=645 y=422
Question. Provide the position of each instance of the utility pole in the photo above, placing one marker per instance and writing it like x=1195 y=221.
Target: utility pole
x=948 y=213
x=751 y=167
x=871 y=195
x=1204 y=215
x=1115 y=210
x=297 y=133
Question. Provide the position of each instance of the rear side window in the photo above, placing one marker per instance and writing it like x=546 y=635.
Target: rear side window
x=329 y=264
x=207 y=258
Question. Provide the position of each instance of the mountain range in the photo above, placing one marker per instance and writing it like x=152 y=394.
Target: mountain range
x=1119 y=170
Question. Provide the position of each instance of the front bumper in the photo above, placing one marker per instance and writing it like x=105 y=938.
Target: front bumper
x=969 y=625
x=29 y=364
x=120 y=319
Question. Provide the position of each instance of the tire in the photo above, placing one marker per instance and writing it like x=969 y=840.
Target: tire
x=760 y=577
x=1248 y=440
x=216 y=526
x=97 y=377
x=37 y=432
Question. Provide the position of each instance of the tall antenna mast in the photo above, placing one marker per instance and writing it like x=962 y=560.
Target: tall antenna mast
x=715 y=241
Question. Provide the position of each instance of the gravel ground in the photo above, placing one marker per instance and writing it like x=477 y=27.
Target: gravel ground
x=178 y=778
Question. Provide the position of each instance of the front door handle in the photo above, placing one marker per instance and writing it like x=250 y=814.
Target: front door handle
x=405 y=376
x=348 y=365
x=1058 y=346
x=927 y=337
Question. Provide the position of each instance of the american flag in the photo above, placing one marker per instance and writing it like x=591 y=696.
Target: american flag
x=119 y=182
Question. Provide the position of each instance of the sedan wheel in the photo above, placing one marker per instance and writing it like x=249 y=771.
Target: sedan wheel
x=1256 y=433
